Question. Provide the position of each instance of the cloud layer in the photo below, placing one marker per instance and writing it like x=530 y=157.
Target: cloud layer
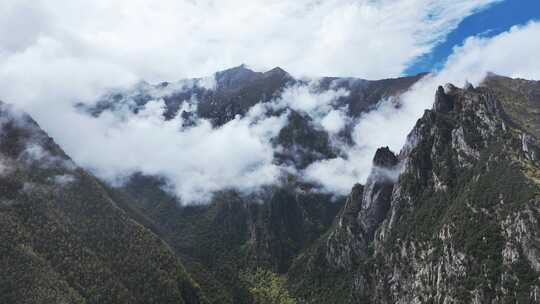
x=170 y=39
x=74 y=51
x=512 y=53
x=196 y=160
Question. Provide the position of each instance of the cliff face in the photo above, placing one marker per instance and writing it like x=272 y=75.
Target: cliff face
x=235 y=232
x=364 y=210
x=459 y=225
x=463 y=220
x=453 y=218
x=63 y=239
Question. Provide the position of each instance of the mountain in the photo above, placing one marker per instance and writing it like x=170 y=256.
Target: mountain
x=459 y=225
x=452 y=218
x=65 y=240
x=69 y=237
x=237 y=232
x=234 y=91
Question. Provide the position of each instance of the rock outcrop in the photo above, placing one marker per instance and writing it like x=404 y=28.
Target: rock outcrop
x=458 y=223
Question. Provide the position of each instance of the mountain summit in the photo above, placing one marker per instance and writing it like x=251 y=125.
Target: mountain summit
x=452 y=218
x=460 y=223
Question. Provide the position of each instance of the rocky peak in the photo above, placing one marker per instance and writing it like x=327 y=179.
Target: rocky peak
x=447 y=229
x=233 y=78
x=378 y=191
x=443 y=102
x=385 y=158
x=356 y=192
x=365 y=209
x=468 y=86
x=277 y=72
x=466 y=173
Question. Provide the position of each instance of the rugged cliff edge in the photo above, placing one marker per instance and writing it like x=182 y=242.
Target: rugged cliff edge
x=461 y=222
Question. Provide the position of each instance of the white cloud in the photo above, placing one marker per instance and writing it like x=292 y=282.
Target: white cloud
x=196 y=160
x=338 y=175
x=334 y=121
x=320 y=105
x=513 y=53
x=308 y=98
x=63 y=180
x=170 y=39
x=75 y=50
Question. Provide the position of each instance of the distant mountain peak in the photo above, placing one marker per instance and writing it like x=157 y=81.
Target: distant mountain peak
x=234 y=77
x=277 y=71
x=243 y=68
x=384 y=157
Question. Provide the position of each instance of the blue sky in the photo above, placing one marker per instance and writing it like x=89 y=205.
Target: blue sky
x=489 y=22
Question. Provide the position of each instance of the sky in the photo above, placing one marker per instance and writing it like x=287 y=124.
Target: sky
x=55 y=53
x=489 y=22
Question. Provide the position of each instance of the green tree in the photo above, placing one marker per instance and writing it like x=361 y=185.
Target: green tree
x=266 y=287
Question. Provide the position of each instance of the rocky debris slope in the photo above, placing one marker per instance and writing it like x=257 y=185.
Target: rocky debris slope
x=63 y=239
x=459 y=224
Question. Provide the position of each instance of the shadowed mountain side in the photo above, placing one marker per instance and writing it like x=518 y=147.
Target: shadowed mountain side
x=235 y=232
x=64 y=240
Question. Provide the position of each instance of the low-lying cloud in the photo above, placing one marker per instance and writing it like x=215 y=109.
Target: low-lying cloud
x=65 y=56
x=513 y=54
x=196 y=160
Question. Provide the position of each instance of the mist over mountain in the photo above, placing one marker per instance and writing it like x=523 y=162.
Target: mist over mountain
x=367 y=152
x=442 y=209
x=241 y=129
x=65 y=240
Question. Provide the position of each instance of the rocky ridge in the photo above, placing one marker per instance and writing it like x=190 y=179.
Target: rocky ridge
x=460 y=223
x=453 y=218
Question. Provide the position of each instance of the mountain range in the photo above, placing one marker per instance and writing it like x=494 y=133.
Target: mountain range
x=451 y=218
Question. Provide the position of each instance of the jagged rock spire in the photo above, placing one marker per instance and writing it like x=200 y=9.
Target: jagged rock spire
x=443 y=103
x=468 y=86
x=384 y=157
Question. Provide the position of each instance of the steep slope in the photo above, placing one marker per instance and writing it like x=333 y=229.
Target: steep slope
x=236 y=231
x=325 y=272
x=460 y=225
x=64 y=240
